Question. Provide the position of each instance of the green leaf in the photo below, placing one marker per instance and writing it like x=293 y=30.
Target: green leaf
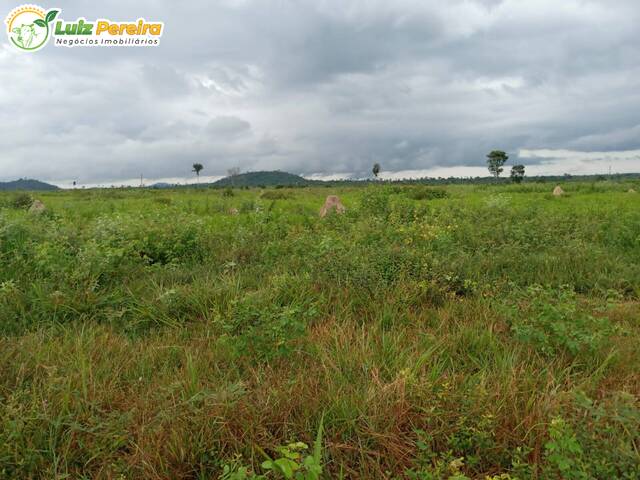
x=39 y=22
x=317 y=445
x=291 y=455
x=286 y=466
x=51 y=15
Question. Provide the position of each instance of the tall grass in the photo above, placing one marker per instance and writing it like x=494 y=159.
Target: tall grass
x=487 y=331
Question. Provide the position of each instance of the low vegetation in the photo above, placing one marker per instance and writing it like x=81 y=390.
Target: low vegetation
x=449 y=332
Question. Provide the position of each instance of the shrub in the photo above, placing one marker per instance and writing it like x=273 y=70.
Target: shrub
x=228 y=192
x=585 y=434
x=273 y=195
x=551 y=321
x=248 y=206
x=425 y=193
x=264 y=330
x=162 y=200
x=375 y=202
x=21 y=200
x=563 y=452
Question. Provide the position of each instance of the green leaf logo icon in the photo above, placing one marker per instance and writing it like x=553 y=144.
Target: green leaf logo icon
x=51 y=15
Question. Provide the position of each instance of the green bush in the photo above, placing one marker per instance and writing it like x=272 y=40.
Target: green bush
x=21 y=201
x=261 y=329
x=375 y=201
x=552 y=321
x=275 y=195
x=162 y=200
x=426 y=193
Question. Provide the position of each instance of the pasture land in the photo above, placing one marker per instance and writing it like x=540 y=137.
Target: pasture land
x=427 y=333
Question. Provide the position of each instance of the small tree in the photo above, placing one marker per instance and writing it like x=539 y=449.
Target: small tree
x=376 y=169
x=495 y=160
x=232 y=173
x=197 y=167
x=517 y=173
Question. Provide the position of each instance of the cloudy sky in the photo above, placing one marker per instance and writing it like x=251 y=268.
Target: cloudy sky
x=327 y=88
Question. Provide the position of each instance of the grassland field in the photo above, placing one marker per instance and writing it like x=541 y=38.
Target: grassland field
x=457 y=332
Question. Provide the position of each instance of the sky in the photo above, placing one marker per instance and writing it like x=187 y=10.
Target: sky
x=325 y=88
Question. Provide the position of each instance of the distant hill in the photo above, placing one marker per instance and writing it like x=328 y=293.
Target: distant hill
x=267 y=179
x=27 y=184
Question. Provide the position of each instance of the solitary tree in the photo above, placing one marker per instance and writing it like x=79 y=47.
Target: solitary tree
x=495 y=160
x=232 y=173
x=517 y=173
x=197 y=167
x=376 y=169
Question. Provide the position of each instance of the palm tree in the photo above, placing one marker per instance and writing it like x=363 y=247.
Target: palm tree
x=197 y=167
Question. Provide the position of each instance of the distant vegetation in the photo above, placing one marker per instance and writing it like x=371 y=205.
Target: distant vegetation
x=277 y=178
x=428 y=332
x=284 y=179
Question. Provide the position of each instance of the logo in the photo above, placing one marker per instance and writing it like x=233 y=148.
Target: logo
x=30 y=27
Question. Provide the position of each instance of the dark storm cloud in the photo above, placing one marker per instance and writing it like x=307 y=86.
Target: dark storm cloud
x=326 y=87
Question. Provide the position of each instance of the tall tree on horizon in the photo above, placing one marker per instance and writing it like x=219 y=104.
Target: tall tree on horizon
x=376 y=169
x=495 y=160
x=517 y=173
x=232 y=173
x=197 y=168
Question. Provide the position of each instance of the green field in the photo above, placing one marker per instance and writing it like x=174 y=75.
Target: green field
x=428 y=333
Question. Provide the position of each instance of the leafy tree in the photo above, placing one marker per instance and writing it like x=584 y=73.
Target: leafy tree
x=517 y=173
x=232 y=172
x=197 y=167
x=376 y=169
x=495 y=160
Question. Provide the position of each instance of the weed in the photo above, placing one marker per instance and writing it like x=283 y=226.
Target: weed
x=563 y=452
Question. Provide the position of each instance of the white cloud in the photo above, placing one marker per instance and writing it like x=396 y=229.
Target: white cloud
x=559 y=162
